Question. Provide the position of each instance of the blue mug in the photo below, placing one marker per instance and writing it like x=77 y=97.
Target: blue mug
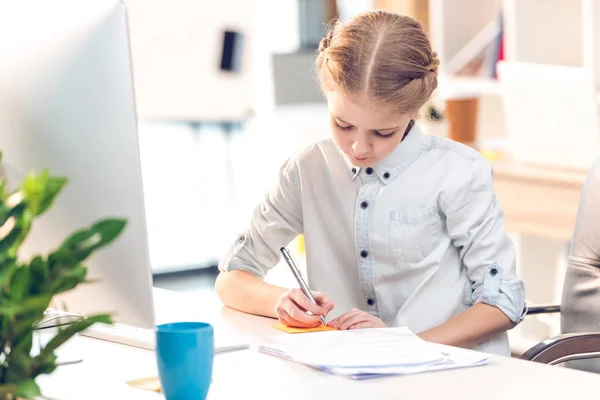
x=184 y=355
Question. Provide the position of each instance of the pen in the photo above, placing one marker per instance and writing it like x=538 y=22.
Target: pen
x=290 y=261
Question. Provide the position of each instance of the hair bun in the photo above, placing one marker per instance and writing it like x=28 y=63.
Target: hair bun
x=326 y=41
x=433 y=66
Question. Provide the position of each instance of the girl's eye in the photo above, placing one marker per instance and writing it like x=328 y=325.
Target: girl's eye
x=343 y=128
x=387 y=135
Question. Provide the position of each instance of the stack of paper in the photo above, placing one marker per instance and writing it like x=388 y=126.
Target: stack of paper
x=369 y=353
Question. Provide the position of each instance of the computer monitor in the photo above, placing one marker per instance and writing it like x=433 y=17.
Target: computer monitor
x=67 y=104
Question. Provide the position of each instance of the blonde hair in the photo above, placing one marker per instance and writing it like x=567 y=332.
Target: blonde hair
x=384 y=56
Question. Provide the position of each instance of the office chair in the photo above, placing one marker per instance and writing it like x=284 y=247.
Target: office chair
x=579 y=344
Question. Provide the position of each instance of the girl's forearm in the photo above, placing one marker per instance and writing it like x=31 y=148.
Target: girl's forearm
x=245 y=292
x=468 y=329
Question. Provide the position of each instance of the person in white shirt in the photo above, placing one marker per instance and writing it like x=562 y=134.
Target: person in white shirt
x=400 y=228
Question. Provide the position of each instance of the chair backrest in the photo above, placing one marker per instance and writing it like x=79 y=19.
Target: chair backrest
x=580 y=305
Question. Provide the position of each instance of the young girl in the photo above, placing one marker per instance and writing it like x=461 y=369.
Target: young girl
x=401 y=229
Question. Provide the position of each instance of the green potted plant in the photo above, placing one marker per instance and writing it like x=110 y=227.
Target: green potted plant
x=28 y=286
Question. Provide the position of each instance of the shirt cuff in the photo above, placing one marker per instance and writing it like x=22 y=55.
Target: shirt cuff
x=237 y=264
x=507 y=295
x=230 y=262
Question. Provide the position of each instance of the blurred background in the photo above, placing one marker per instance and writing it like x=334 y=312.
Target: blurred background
x=226 y=91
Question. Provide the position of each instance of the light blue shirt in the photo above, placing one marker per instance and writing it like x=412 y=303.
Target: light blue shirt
x=414 y=240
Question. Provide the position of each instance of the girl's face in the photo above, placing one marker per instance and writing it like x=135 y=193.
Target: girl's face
x=365 y=132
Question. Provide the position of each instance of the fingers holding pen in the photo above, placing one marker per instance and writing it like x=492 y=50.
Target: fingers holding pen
x=294 y=308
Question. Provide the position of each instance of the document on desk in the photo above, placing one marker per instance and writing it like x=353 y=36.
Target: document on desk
x=369 y=353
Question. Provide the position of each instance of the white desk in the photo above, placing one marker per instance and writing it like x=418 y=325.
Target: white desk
x=249 y=374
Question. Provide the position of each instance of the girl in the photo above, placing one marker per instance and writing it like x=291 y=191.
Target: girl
x=401 y=229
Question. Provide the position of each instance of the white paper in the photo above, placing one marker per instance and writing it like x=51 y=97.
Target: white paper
x=458 y=359
x=358 y=348
x=369 y=353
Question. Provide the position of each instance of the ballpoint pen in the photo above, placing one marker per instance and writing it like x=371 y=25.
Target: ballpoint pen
x=290 y=261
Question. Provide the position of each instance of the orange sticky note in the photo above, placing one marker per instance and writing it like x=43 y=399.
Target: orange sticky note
x=151 y=383
x=290 y=329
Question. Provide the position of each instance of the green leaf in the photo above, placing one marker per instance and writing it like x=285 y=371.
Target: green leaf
x=7 y=269
x=5 y=258
x=40 y=271
x=22 y=344
x=4 y=212
x=6 y=323
x=18 y=210
x=46 y=367
x=19 y=285
x=36 y=304
x=66 y=279
x=30 y=305
x=10 y=239
x=61 y=258
x=28 y=389
x=100 y=234
x=33 y=187
x=25 y=323
x=41 y=191
x=82 y=243
x=19 y=368
x=109 y=229
x=53 y=187
x=65 y=334
x=77 y=272
x=63 y=284
x=9 y=307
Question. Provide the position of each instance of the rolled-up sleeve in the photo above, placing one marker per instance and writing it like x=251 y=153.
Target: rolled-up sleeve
x=475 y=221
x=275 y=222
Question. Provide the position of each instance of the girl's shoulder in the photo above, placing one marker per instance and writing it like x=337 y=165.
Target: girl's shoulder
x=322 y=149
x=451 y=148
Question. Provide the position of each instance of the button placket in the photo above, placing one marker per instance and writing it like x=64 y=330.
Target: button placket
x=363 y=224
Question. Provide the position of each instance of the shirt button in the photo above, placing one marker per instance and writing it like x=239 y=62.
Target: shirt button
x=370 y=301
x=386 y=175
x=493 y=272
x=242 y=238
x=364 y=204
x=353 y=170
x=364 y=254
x=369 y=171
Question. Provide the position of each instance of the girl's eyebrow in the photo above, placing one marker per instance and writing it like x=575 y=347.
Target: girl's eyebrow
x=378 y=130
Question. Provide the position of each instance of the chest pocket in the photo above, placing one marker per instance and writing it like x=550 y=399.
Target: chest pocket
x=414 y=233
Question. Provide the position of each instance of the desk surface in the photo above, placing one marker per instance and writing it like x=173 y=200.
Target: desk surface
x=249 y=374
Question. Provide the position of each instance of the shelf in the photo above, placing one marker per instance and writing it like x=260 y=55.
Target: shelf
x=480 y=85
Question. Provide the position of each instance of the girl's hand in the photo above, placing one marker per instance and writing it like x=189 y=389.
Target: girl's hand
x=356 y=319
x=292 y=308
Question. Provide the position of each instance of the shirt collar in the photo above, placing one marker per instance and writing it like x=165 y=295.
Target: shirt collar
x=391 y=166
